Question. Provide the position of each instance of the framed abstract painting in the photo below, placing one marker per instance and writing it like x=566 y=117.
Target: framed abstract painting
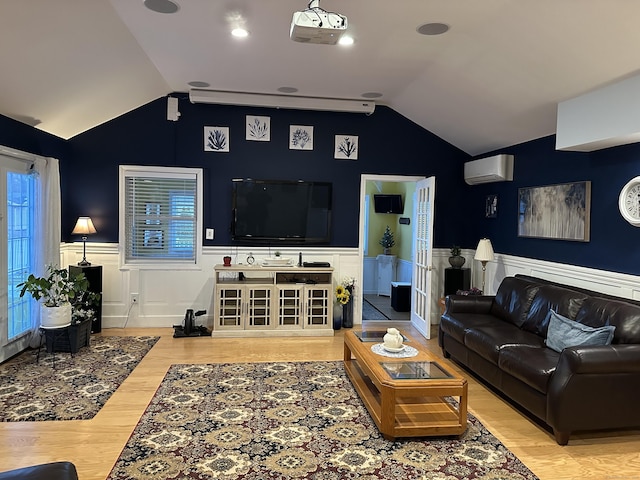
x=560 y=212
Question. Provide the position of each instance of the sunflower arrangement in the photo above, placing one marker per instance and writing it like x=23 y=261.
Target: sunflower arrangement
x=342 y=295
x=345 y=290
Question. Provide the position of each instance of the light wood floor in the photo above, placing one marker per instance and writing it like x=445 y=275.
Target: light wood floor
x=94 y=445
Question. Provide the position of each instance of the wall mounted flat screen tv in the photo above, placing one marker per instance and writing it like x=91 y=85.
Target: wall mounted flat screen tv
x=281 y=212
x=388 y=203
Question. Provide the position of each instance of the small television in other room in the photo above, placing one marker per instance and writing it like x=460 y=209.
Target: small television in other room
x=281 y=212
x=388 y=203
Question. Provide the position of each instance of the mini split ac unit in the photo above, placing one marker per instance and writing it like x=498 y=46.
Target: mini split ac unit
x=498 y=168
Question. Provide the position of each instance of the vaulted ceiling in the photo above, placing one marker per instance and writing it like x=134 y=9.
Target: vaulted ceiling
x=492 y=80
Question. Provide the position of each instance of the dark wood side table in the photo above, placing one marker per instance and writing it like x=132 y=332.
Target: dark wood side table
x=94 y=276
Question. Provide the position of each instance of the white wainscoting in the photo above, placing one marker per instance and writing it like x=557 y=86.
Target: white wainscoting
x=164 y=295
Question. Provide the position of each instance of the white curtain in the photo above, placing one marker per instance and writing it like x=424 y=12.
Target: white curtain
x=47 y=221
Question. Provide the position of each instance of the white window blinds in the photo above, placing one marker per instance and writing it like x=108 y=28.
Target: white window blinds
x=161 y=215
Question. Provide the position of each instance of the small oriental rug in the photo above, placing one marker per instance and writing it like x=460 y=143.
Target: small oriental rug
x=268 y=421
x=370 y=312
x=78 y=386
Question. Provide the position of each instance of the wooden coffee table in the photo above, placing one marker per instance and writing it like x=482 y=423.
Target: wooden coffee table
x=407 y=397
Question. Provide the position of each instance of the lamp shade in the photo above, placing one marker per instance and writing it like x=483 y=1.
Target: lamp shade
x=484 y=251
x=84 y=226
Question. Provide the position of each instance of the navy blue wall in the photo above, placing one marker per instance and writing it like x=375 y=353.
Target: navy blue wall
x=388 y=143
x=28 y=139
x=613 y=244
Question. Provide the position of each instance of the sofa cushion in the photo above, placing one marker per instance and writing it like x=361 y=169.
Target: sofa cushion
x=487 y=340
x=513 y=299
x=564 y=301
x=531 y=365
x=457 y=324
x=598 y=312
x=564 y=332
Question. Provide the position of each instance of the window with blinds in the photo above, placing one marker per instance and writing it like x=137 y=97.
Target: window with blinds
x=160 y=217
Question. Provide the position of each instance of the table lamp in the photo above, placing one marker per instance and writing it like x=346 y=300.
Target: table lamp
x=484 y=254
x=84 y=226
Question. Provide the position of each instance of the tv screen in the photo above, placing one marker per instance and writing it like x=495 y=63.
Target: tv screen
x=388 y=203
x=284 y=212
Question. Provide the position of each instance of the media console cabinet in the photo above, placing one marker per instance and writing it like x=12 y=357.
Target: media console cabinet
x=273 y=301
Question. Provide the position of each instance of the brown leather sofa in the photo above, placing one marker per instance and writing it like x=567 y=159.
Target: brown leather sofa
x=501 y=339
x=46 y=471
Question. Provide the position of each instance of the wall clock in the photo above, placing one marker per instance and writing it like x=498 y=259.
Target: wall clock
x=629 y=202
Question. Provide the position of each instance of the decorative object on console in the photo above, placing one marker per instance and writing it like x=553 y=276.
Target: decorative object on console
x=387 y=240
x=456 y=260
x=484 y=254
x=227 y=261
x=562 y=212
x=629 y=202
x=84 y=226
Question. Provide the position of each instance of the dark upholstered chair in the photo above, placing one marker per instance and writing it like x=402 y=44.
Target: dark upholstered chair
x=46 y=471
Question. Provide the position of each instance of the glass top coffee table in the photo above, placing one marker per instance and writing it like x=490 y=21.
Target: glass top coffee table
x=406 y=397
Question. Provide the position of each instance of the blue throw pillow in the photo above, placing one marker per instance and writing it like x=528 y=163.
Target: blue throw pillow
x=564 y=332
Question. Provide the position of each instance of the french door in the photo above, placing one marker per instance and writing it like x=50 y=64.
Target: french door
x=17 y=219
x=423 y=206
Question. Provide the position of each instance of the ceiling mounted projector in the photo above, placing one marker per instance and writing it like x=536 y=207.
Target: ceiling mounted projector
x=315 y=25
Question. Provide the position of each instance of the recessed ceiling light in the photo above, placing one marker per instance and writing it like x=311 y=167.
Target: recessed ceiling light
x=240 y=32
x=288 y=89
x=162 y=6
x=197 y=84
x=432 y=28
x=371 y=95
x=346 y=40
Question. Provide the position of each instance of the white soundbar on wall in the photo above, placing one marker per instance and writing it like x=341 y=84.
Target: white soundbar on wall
x=220 y=97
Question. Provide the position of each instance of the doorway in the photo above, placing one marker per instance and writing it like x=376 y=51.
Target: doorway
x=402 y=254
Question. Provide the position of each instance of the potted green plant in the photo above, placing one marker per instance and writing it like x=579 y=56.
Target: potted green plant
x=387 y=240
x=456 y=260
x=56 y=293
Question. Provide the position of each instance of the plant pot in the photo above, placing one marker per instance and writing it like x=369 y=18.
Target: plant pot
x=386 y=251
x=73 y=338
x=55 y=316
x=456 y=261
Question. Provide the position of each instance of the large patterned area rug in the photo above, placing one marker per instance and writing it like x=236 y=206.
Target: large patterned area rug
x=78 y=386
x=267 y=421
